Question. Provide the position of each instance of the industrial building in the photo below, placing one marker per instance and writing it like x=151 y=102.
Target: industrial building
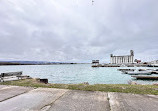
x=126 y=59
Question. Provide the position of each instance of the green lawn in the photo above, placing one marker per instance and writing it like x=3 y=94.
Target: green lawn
x=124 y=88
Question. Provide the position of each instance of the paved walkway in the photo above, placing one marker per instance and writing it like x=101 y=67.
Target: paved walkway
x=14 y=98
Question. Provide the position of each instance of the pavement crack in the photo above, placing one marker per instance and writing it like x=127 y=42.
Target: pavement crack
x=14 y=96
x=108 y=98
x=48 y=106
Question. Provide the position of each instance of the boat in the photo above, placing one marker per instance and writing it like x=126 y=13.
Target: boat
x=155 y=71
x=123 y=65
x=137 y=72
x=153 y=65
x=124 y=70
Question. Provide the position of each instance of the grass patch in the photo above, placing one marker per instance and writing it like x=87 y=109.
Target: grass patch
x=123 y=88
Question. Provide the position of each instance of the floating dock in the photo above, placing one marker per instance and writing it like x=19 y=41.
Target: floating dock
x=154 y=72
x=105 y=65
x=126 y=69
x=146 y=77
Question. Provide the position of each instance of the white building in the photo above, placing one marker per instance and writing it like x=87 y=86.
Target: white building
x=122 y=59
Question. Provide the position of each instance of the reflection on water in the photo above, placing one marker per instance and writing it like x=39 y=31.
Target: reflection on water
x=75 y=73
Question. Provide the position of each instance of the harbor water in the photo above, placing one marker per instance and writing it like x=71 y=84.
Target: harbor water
x=76 y=73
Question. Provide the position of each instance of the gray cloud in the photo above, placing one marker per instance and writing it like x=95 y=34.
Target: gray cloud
x=76 y=30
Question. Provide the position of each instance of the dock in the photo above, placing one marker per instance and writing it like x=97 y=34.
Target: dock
x=105 y=65
x=146 y=77
x=119 y=65
x=126 y=70
x=154 y=72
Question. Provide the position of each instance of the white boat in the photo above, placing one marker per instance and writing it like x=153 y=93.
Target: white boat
x=136 y=72
x=153 y=65
x=155 y=71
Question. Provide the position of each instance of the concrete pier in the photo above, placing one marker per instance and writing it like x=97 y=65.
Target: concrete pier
x=14 y=98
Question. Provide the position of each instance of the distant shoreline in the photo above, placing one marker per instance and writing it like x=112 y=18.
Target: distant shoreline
x=36 y=63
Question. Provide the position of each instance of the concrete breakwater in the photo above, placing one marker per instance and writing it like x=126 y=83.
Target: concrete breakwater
x=120 y=65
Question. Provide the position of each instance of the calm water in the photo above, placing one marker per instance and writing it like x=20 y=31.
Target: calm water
x=75 y=73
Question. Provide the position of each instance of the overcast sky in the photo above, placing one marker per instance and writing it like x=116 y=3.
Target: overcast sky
x=77 y=31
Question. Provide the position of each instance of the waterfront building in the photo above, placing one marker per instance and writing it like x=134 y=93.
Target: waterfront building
x=122 y=59
x=95 y=61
